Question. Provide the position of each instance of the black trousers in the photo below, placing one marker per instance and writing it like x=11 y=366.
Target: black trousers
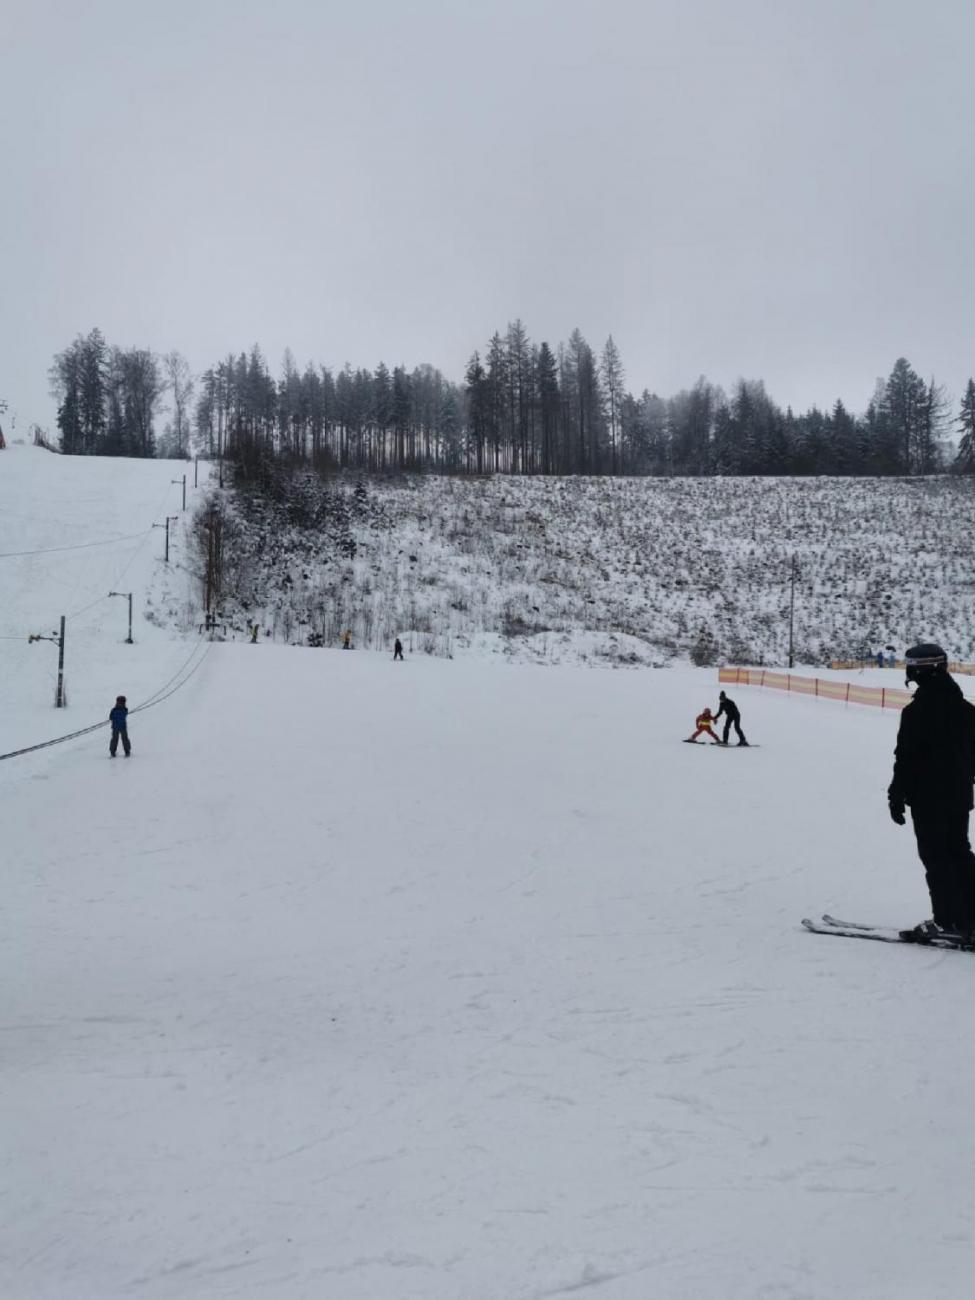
x=728 y=724
x=949 y=863
x=113 y=743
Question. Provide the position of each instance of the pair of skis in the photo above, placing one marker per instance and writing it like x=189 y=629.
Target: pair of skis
x=882 y=934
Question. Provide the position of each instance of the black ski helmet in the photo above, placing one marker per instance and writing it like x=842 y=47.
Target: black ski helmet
x=925 y=661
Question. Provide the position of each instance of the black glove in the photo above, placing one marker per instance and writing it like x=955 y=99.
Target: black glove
x=896 y=806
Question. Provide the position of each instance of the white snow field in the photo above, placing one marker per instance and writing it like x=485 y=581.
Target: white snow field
x=457 y=980
x=72 y=529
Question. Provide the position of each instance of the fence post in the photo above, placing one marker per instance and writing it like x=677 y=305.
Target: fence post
x=816 y=680
x=883 y=697
x=847 y=700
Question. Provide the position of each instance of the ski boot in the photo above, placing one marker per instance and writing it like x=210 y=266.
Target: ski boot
x=923 y=932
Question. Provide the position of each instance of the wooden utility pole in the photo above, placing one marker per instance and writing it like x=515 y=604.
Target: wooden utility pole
x=211 y=587
x=792 y=611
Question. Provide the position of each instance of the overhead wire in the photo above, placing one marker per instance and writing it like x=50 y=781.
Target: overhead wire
x=85 y=608
x=129 y=562
x=157 y=697
x=81 y=546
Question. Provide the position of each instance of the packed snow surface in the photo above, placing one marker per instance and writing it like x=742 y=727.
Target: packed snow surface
x=458 y=980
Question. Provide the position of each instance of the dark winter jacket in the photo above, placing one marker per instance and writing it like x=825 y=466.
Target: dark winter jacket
x=118 y=716
x=730 y=709
x=934 y=760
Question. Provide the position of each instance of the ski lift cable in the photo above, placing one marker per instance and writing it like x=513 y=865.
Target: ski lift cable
x=80 y=546
x=157 y=697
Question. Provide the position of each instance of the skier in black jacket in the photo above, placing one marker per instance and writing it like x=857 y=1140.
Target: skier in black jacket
x=934 y=768
x=732 y=718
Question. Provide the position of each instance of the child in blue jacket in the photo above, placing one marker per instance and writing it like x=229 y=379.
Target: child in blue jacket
x=119 y=720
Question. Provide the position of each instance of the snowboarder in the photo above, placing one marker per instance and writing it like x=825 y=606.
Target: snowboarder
x=118 y=717
x=934 y=769
x=703 y=723
x=397 y=649
x=732 y=718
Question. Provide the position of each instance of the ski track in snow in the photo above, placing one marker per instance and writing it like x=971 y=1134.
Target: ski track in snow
x=442 y=980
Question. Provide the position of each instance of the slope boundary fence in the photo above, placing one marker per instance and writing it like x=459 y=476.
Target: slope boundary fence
x=881 y=697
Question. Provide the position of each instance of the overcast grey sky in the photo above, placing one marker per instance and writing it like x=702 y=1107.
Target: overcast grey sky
x=776 y=189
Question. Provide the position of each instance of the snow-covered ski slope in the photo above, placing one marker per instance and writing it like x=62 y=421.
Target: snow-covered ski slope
x=72 y=529
x=453 y=980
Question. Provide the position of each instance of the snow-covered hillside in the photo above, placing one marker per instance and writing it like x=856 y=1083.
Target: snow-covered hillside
x=619 y=570
x=72 y=529
x=376 y=981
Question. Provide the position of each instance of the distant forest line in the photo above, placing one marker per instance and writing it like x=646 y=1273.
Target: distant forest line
x=523 y=408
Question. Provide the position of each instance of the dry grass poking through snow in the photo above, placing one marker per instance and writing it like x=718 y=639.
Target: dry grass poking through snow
x=614 y=570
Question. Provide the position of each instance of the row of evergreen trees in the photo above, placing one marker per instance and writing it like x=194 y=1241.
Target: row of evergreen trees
x=109 y=397
x=523 y=409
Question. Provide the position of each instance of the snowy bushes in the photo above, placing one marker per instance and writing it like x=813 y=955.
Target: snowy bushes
x=556 y=568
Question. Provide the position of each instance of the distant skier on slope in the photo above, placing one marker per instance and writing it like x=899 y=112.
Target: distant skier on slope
x=934 y=769
x=119 y=718
x=397 y=649
x=704 y=720
x=732 y=718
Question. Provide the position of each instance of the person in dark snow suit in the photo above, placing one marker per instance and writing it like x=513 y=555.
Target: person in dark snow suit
x=397 y=649
x=934 y=769
x=732 y=718
x=119 y=718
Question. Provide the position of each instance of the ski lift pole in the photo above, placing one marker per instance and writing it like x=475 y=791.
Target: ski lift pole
x=59 y=699
x=183 y=481
x=128 y=595
x=169 y=518
x=58 y=640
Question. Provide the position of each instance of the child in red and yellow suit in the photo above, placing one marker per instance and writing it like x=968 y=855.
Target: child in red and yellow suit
x=703 y=723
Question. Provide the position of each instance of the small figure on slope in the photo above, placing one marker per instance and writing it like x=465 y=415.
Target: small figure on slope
x=732 y=718
x=397 y=649
x=347 y=640
x=934 y=768
x=703 y=723
x=119 y=718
